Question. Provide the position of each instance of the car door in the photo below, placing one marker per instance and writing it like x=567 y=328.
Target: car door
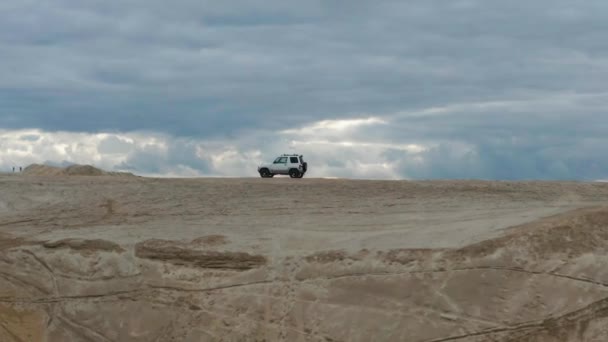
x=279 y=165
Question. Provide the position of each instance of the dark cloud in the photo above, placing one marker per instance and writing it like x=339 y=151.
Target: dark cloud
x=520 y=85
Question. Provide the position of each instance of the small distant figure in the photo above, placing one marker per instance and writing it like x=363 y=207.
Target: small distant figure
x=13 y=169
x=20 y=168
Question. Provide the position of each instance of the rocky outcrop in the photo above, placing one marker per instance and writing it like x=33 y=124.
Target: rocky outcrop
x=187 y=254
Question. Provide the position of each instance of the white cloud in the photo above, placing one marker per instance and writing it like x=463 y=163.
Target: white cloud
x=152 y=154
x=326 y=144
x=105 y=150
x=346 y=155
x=338 y=125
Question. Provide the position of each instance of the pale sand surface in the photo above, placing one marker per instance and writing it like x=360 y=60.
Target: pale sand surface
x=125 y=258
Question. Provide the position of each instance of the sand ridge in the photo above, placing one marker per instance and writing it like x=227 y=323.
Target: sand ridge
x=72 y=170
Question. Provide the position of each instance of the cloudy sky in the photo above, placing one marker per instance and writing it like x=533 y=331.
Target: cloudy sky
x=425 y=89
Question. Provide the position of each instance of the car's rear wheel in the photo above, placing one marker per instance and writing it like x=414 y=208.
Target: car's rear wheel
x=293 y=173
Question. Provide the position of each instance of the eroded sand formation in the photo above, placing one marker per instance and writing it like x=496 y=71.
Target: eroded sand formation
x=134 y=259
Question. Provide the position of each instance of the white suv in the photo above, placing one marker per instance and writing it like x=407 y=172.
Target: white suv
x=286 y=164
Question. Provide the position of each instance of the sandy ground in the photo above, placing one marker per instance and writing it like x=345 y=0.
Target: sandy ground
x=125 y=258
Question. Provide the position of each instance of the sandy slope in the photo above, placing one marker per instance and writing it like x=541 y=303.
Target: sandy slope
x=133 y=259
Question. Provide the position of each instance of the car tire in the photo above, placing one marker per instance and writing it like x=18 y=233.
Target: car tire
x=294 y=173
x=265 y=173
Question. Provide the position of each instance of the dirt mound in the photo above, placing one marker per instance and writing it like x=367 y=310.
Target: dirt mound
x=180 y=253
x=561 y=237
x=72 y=170
x=571 y=235
x=42 y=170
x=83 y=170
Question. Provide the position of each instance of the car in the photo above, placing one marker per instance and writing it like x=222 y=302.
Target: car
x=286 y=164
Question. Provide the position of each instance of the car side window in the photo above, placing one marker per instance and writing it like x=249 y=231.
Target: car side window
x=277 y=161
x=294 y=160
x=280 y=160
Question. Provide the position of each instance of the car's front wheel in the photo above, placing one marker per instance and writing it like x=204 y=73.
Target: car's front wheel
x=265 y=173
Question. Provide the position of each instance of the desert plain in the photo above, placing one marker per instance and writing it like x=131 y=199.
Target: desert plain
x=87 y=255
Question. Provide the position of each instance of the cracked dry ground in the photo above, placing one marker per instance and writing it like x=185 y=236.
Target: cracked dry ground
x=136 y=259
